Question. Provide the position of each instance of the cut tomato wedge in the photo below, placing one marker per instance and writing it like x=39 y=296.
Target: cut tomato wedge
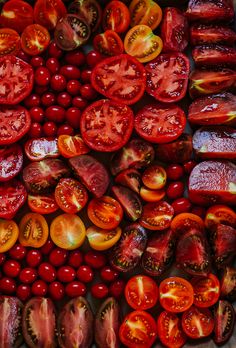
x=100 y=239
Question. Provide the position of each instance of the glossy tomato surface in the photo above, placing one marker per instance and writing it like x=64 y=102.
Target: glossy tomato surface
x=10 y=41
x=170 y=331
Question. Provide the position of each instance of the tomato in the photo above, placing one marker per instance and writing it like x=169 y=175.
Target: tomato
x=35 y=39
x=17 y=251
x=116 y=17
x=220 y=214
x=213 y=34
x=210 y=54
x=66 y=274
x=130 y=178
x=75 y=258
x=13 y=195
x=177 y=151
x=70 y=195
x=167 y=77
x=206 y=290
x=33 y=230
x=90 y=10
x=39 y=288
x=197 y=322
x=116 y=289
x=151 y=195
x=129 y=200
x=16 y=82
x=48 y=12
x=145 y=12
x=75 y=289
x=67 y=231
x=34 y=257
x=85 y=274
x=138 y=330
x=184 y=222
x=169 y=330
x=121 y=78
x=224 y=316
x=71 y=32
x=210 y=11
x=11 y=162
x=175 y=294
x=42 y=204
x=108 y=43
x=157 y=216
x=95 y=259
x=17 y=15
x=9 y=41
x=102 y=239
x=41 y=148
x=108 y=274
x=9 y=233
x=141 y=292
x=71 y=146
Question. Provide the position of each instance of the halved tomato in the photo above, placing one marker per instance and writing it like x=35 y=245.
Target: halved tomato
x=90 y=10
x=116 y=16
x=130 y=178
x=42 y=204
x=140 y=42
x=184 y=222
x=9 y=41
x=152 y=195
x=220 y=214
x=67 y=231
x=198 y=322
x=141 y=292
x=105 y=212
x=210 y=11
x=213 y=33
x=41 y=148
x=13 y=195
x=138 y=330
x=206 y=290
x=70 y=195
x=9 y=233
x=212 y=55
x=175 y=294
x=48 y=12
x=11 y=161
x=157 y=216
x=169 y=330
x=145 y=12
x=129 y=201
x=101 y=239
x=71 y=145
x=35 y=39
x=16 y=14
x=228 y=284
x=154 y=177
x=33 y=230
x=108 y=43
x=224 y=316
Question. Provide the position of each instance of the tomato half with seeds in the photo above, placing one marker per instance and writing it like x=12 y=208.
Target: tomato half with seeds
x=17 y=15
x=105 y=212
x=130 y=178
x=106 y=125
x=141 y=292
x=100 y=239
x=108 y=43
x=48 y=12
x=145 y=12
x=71 y=145
x=157 y=216
x=138 y=330
x=141 y=43
x=9 y=41
x=154 y=177
x=9 y=233
x=121 y=78
x=116 y=17
x=169 y=330
x=42 y=204
x=41 y=148
x=175 y=294
x=35 y=39
x=70 y=195
x=11 y=161
x=206 y=290
x=224 y=315
x=12 y=197
x=197 y=322
x=90 y=10
x=220 y=214
x=33 y=230
x=184 y=222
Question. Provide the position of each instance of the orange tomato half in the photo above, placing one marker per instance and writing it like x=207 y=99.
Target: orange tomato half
x=100 y=239
x=33 y=230
x=9 y=233
x=146 y=12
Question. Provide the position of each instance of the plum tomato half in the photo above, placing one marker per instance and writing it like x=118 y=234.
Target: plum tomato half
x=90 y=10
x=116 y=16
x=129 y=200
x=170 y=331
x=108 y=43
x=48 y=12
x=157 y=216
x=145 y=12
x=210 y=11
x=16 y=15
x=197 y=322
x=130 y=178
x=211 y=33
x=206 y=290
x=33 y=230
x=184 y=222
x=102 y=239
x=224 y=316
x=9 y=233
x=10 y=41
x=13 y=195
x=35 y=39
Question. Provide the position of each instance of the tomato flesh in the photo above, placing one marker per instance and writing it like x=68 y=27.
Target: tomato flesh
x=220 y=214
x=170 y=331
x=13 y=195
x=197 y=322
x=41 y=148
x=9 y=41
x=17 y=15
x=48 y=12
x=108 y=43
x=101 y=239
x=42 y=204
x=157 y=216
x=11 y=162
x=33 y=230
x=116 y=16
x=206 y=290
x=71 y=146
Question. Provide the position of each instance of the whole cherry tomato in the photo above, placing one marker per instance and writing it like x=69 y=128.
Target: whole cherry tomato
x=99 y=290
x=11 y=268
x=47 y=272
x=56 y=291
x=23 y=292
x=85 y=274
x=39 y=288
x=33 y=257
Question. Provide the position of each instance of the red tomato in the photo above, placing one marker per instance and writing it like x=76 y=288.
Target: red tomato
x=58 y=257
x=41 y=148
x=47 y=272
x=35 y=39
x=197 y=322
x=70 y=146
x=39 y=288
x=141 y=292
x=7 y=286
x=13 y=195
x=108 y=274
x=106 y=125
x=167 y=77
x=56 y=291
x=11 y=162
x=33 y=257
x=66 y=274
x=75 y=289
x=206 y=290
x=85 y=274
x=108 y=43
x=48 y=12
x=170 y=331
x=28 y=275
x=17 y=252
x=121 y=78
x=42 y=204
x=16 y=81
x=9 y=41
x=11 y=268
x=157 y=216
x=17 y=15
x=99 y=290
x=116 y=289
x=95 y=259
x=116 y=17
x=220 y=214
x=145 y=12
x=75 y=258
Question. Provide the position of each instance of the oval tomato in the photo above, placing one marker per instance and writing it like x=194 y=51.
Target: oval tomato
x=17 y=15
x=9 y=233
x=33 y=230
x=116 y=17
x=154 y=177
x=141 y=292
x=41 y=148
x=167 y=77
x=121 y=78
x=48 y=12
x=138 y=330
x=157 y=216
x=197 y=322
x=108 y=43
x=71 y=196
x=175 y=294
x=9 y=41
x=106 y=125
x=71 y=145
x=159 y=123
x=16 y=81
x=130 y=178
x=67 y=231
x=42 y=204
x=145 y=12
x=90 y=10
x=13 y=195
x=220 y=214
x=228 y=284
x=100 y=239
x=11 y=162
x=35 y=39
x=170 y=331
x=206 y=290
x=184 y=222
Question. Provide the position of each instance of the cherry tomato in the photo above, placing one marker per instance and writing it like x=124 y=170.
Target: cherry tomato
x=100 y=239
x=37 y=61
x=170 y=331
x=220 y=214
x=65 y=129
x=66 y=274
x=53 y=65
x=32 y=100
x=95 y=259
x=7 y=286
x=58 y=257
x=206 y=290
x=157 y=216
x=116 y=288
x=108 y=43
x=2 y=258
x=36 y=114
x=58 y=83
x=54 y=50
x=42 y=76
x=154 y=177
x=116 y=17
x=93 y=58
x=45 y=204
x=197 y=322
x=145 y=12
x=71 y=146
x=151 y=195
x=88 y=92
x=39 y=288
x=76 y=57
x=28 y=275
x=47 y=272
x=11 y=268
x=33 y=230
x=108 y=274
x=73 y=87
x=56 y=291
x=99 y=290
x=23 y=292
x=35 y=39
x=79 y=102
x=73 y=117
x=75 y=258
x=181 y=205
x=55 y=113
x=175 y=189
x=75 y=289
x=47 y=247
x=70 y=72
x=17 y=15
x=85 y=274
x=33 y=258
x=36 y=130
x=174 y=172
x=64 y=100
x=9 y=41
x=86 y=75
x=188 y=166
x=186 y=221
x=17 y=252
x=9 y=233
x=49 y=129
x=48 y=99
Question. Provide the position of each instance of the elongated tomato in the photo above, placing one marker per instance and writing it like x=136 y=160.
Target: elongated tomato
x=213 y=33
x=211 y=55
x=33 y=230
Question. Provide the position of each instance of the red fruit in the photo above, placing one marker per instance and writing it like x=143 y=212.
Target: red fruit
x=73 y=117
x=48 y=99
x=33 y=258
x=174 y=172
x=213 y=33
x=75 y=258
x=76 y=57
x=65 y=129
x=79 y=102
x=181 y=205
x=93 y=58
x=116 y=289
x=23 y=292
x=64 y=99
x=53 y=65
x=47 y=247
x=58 y=257
x=49 y=129
x=42 y=76
x=58 y=83
x=35 y=130
x=175 y=189
x=17 y=252
x=95 y=259
x=108 y=274
x=88 y=92
x=47 y=272
x=73 y=87
x=54 y=50
x=2 y=258
x=66 y=274
x=11 y=268
x=99 y=290
x=55 y=113
x=211 y=55
x=7 y=286
x=75 y=289
x=85 y=274
x=178 y=151
x=39 y=288
x=36 y=114
x=28 y=275
x=210 y=11
x=31 y=101
x=56 y=291
x=70 y=72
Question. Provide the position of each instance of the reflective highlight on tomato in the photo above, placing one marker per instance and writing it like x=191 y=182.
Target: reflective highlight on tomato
x=206 y=290
x=35 y=39
x=101 y=239
x=170 y=331
x=116 y=16
x=9 y=41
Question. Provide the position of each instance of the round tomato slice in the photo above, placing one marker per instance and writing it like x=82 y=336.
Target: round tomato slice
x=71 y=196
x=90 y=10
x=146 y=12
x=100 y=239
x=197 y=322
x=169 y=330
x=206 y=290
x=16 y=78
x=9 y=233
x=41 y=148
x=220 y=214
x=176 y=294
x=141 y=43
x=42 y=204
x=184 y=222
x=167 y=77
x=68 y=231
x=138 y=330
x=121 y=78
x=105 y=212
x=157 y=216
x=16 y=14
x=33 y=230
x=71 y=145
x=12 y=196
x=106 y=125
x=108 y=43
x=48 y=12
x=154 y=177
x=9 y=41
x=35 y=39
x=11 y=162
x=116 y=17
x=141 y=292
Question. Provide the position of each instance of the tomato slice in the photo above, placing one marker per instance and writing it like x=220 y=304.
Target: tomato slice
x=100 y=239
x=210 y=11
x=138 y=330
x=33 y=230
x=17 y=15
x=67 y=231
x=121 y=78
x=16 y=81
x=108 y=43
x=129 y=201
x=9 y=41
x=71 y=145
x=145 y=12
x=169 y=330
x=9 y=233
x=167 y=77
x=184 y=222
x=13 y=195
x=154 y=177
x=35 y=39
x=116 y=17
x=71 y=196
x=48 y=12
x=176 y=294
x=141 y=292
x=105 y=212
x=130 y=178
x=206 y=290
x=11 y=162
x=152 y=195
x=197 y=322
x=157 y=216
x=106 y=125
x=41 y=148
x=42 y=204
x=220 y=214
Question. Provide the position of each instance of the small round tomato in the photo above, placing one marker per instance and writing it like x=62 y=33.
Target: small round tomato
x=56 y=291
x=71 y=146
x=47 y=13
x=17 y=252
x=33 y=230
x=95 y=259
x=16 y=14
x=116 y=17
x=154 y=177
x=141 y=43
x=108 y=274
x=75 y=258
x=151 y=196
x=23 y=292
x=11 y=268
x=99 y=290
x=102 y=239
x=33 y=258
x=181 y=205
x=85 y=274
x=170 y=331
x=138 y=330
x=145 y=12
x=116 y=288
x=206 y=290
x=47 y=272
x=175 y=189
x=105 y=212
x=185 y=221
x=34 y=39
x=9 y=233
x=75 y=289
x=197 y=322
x=67 y=231
x=42 y=204
x=176 y=294
x=66 y=274
x=108 y=43
x=141 y=292
x=7 y=286
x=174 y=172
x=157 y=216
x=58 y=257
x=28 y=275
x=220 y=214
x=39 y=288
x=9 y=41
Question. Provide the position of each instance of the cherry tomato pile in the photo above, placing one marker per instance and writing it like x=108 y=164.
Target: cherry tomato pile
x=105 y=193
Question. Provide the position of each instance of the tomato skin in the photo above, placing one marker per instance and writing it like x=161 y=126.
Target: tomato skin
x=157 y=216
x=108 y=43
x=9 y=41
x=184 y=222
x=206 y=290
x=116 y=17
x=177 y=338
x=130 y=178
x=33 y=230
x=17 y=15
x=95 y=259
x=99 y=290
x=197 y=322
x=35 y=39
x=85 y=274
x=145 y=12
x=56 y=291
x=71 y=146
x=75 y=289
x=48 y=12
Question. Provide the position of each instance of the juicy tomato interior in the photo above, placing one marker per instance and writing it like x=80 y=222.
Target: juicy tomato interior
x=33 y=230
x=101 y=239
x=145 y=12
x=206 y=290
x=197 y=322
x=42 y=204
x=9 y=233
x=170 y=331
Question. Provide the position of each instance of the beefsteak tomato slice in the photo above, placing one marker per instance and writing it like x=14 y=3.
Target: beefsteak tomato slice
x=210 y=10
x=48 y=12
x=12 y=196
x=9 y=41
x=41 y=148
x=11 y=162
